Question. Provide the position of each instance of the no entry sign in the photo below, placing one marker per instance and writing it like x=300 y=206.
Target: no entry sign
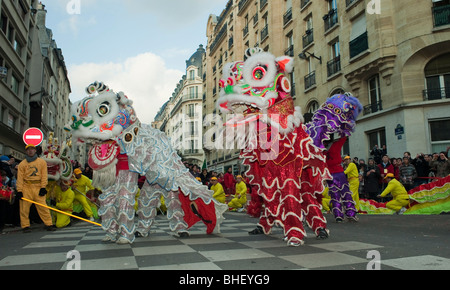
x=33 y=136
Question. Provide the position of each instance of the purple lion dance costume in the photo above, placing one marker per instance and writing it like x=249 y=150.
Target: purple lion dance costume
x=337 y=115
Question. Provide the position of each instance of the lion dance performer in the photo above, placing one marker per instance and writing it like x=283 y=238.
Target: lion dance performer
x=32 y=180
x=285 y=168
x=337 y=115
x=124 y=149
x=60 y=170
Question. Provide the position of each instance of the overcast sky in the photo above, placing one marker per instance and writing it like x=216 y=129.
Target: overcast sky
x=139 y=47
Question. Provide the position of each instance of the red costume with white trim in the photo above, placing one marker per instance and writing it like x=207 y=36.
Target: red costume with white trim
x=285 y=168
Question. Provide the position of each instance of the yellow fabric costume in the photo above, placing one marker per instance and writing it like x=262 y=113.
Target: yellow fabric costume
x=64 y=202
x=326 y=200
x=31 y=178
x=84 y=185
x=240 y=198
x=399 y=193
x=353 y=180
x=219 y=193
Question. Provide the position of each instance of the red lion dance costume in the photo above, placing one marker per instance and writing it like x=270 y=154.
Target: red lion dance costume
x=285 y=168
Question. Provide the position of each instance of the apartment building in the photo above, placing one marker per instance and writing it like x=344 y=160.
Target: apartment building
x=49 y=98
x=181 y=117
x=34 y=88
x=393 y=55
x=16 y=23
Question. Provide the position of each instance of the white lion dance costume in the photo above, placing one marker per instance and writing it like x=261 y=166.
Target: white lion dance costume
x=123 y=149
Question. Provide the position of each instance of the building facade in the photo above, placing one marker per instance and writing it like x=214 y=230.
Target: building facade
x=392 y=55
x=181 y=117
x=49 y=98
x=34 y=88
x=16 y=24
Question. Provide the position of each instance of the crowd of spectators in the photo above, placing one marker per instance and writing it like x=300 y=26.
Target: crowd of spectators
x=410 y=171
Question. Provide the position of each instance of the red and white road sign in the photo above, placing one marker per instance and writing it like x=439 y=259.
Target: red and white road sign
x=33 y=136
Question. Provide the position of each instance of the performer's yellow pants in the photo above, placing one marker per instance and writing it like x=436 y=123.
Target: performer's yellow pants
x=86 y=207
x=236 y=203
x=31 y=192
x=62 y=220
x=397 y=204
x=326 y=204
x=354 y=188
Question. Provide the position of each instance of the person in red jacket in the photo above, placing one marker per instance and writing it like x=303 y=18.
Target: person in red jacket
x=385 y=167
x=229 y=182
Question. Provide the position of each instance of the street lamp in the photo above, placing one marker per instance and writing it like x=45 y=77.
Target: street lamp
x=304 y=56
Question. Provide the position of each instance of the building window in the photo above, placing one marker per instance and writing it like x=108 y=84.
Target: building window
x=437 y=78
x=14 y=85
x=265 y=30
x=287 y=17
x=192 y=75
x=440 y=135
x=308 y=38
x=441 y=12
x=358 y=39
x=313 y=107
x=377 y=137
x=245 y=30
x=4 y=23
x=290 y=44
x=191 y=111
x=11 y=122
x=334 y=65
x=51 y=120
x=375 y=102
x=331 y=18
x=18 y=48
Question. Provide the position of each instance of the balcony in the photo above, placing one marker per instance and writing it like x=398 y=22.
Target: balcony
x=441 y=15
x=218 y=39
x=264 y=33
x=310 y=80
x=303 y=3
x=289 y=51
x=263 y=3
x=350 y=2
x=245 y=31
x=331 y=19
x=436 y=94
x=308 y=38
x=373 y=108
x=359 y=45
x=334 y=66
x=242 y=4
x=255 y=19
x=287 y=17
x=184 y=99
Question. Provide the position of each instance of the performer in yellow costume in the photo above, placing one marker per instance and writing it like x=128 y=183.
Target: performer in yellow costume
x=353 y=180
x=240 y=198
x=326 y=200
x=81 y=187
x=63 y=202
x=219 y=192
x=398 y=192
x=31 y=184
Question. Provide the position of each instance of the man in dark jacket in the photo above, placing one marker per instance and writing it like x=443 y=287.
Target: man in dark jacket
x=422 y=169
x=372 y=179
